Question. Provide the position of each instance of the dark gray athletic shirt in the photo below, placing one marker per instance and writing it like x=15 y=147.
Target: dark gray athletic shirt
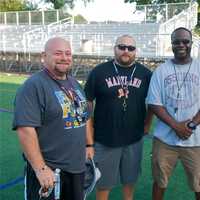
x=40 y=103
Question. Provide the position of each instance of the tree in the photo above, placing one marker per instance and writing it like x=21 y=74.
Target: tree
x=12 y=5
x=60 y=3
x=143 y=2
x=31 y=6
x=79 y=19
x=198 y=1
x=139 y=2
x=16 y=5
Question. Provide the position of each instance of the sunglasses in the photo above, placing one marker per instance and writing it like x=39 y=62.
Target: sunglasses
x=123 y=47
x=178 y=42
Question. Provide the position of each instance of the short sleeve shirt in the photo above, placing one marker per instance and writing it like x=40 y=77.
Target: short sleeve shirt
x=40 y=103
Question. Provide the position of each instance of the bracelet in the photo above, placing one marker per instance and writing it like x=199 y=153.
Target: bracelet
x=38 y=171
x=89 y=145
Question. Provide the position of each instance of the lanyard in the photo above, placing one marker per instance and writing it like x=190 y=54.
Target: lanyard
x=124 y=86
x=71 y=94
x=179 y=86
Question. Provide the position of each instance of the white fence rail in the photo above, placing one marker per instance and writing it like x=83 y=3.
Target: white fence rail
x=153 y=39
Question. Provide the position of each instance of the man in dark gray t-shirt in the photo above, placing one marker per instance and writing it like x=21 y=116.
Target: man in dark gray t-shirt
x=50 y=116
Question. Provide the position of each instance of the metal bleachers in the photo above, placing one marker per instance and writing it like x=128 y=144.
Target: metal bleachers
x=153 y=39
x=85 y=38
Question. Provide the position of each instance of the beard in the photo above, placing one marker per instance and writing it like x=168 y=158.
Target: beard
x=125 y=60
x=62 y=67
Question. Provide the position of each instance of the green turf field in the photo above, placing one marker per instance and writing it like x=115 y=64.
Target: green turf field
x=11 y=163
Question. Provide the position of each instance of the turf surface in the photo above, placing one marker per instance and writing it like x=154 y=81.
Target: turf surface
x=11 y=162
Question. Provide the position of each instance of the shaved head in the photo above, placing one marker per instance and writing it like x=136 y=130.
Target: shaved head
x=52 y=42
x=57 y=56
x=121 y=38
x=125 y=50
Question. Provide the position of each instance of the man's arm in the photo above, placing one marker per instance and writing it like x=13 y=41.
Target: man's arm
x=194 y=122
x=90 y=134
x=196 y=118
x=182 y=131
x=30 y=145
x=148 y=120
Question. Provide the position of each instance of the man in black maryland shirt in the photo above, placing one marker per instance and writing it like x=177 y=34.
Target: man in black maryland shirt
x=119 y=88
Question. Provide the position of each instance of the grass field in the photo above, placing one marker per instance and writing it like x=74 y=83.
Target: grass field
x=11 y=163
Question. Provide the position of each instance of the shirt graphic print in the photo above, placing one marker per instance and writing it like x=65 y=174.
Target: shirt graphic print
x=73 y=117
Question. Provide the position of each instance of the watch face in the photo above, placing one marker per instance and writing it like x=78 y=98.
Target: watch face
x=191 y=125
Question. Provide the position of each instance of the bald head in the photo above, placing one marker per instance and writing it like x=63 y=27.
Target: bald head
x=57 y=57
x=56 y=42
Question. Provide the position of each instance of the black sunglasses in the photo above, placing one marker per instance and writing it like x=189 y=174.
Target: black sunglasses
x=123 y=47
x=178 y=42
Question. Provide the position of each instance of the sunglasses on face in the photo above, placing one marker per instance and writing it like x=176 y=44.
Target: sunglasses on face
x=123 y=47
x=178 y=42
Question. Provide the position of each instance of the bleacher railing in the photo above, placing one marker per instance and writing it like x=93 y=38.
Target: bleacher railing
x=160 y=13
x=153 y=39
x=186 y=18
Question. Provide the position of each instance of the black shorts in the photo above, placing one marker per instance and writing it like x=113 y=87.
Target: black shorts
x=71 y=186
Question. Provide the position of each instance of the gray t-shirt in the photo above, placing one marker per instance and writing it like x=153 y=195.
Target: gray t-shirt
x=41 y=103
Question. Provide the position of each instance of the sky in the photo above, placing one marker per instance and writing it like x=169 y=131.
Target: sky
x=103 y=10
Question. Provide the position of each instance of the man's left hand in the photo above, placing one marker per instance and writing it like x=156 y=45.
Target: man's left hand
x=89 y=152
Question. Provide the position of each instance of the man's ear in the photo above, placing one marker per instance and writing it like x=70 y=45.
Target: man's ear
x=43 y=55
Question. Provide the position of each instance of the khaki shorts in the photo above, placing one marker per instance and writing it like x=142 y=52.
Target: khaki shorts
x=165 y=158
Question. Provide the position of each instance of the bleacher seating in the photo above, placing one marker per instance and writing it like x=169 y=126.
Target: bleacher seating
x=153 y=39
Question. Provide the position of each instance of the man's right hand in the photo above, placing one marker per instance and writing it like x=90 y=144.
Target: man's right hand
x=45 y=177
x=182 y=131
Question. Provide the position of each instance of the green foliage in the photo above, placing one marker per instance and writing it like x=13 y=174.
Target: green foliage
x=198 y=1
x=12 y=5
x=57 y=3
x=79 y=19
x=31 y=6
x=139 y=2
x=197 y=30
x=16 y=5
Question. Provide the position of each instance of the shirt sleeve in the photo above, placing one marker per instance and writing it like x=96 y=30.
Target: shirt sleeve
x=27 y=107
x=154 y=95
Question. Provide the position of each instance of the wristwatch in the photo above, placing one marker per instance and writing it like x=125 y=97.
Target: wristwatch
x=191 y=125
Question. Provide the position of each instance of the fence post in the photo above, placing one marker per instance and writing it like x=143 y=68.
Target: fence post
x=57 y=16
x=29 y=18
x=145 y=11
x=166 y=14
x=43 y=20
x=5 y=18
x=17 y=18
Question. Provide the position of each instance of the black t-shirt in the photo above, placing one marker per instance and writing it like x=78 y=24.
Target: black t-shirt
x=113 y=126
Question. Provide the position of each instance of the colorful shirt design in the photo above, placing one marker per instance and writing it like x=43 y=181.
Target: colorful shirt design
x=74 y=116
